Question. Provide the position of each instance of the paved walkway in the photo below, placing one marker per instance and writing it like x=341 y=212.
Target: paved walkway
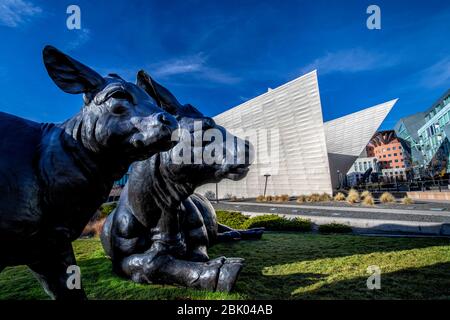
x=346 y=209
x=362 y=219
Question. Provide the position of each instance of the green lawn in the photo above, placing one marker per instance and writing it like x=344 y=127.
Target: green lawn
x=280 y=266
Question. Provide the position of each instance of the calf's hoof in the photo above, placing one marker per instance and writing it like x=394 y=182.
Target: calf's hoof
x=252 y=234
x=229 y=273
x=219 y=274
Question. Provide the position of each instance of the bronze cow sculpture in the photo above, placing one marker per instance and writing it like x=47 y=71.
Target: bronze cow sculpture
x=160 y=231
x=53 y=177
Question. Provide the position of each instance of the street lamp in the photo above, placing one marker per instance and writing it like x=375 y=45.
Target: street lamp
x=217 y=192
x=339 y=179
x=265 y=184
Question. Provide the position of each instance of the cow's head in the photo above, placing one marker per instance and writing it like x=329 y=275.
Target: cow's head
x=236 y=153
x=117 y=117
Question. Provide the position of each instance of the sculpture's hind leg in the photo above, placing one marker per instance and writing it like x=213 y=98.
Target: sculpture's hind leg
x=151 y=267
x=228 y=234
x=53 y=273
x=216 y=232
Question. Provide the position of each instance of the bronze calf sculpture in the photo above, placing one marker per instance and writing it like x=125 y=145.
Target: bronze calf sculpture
x=159 y=231
x=54 y=176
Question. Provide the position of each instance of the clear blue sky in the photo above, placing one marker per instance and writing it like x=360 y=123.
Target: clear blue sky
x=218 y=54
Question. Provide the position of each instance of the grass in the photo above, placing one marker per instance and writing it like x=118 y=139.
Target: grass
x=280 y=266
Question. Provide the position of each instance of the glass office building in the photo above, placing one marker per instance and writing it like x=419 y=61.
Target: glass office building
x=434 y=136
x=426 y=139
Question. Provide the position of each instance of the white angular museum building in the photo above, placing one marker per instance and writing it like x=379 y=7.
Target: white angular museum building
x=294 y=149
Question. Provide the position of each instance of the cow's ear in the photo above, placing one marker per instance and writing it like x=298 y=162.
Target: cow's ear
x=70 y=75
x=165 y=99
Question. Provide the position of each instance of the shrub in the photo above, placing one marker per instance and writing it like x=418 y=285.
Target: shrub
x=271 y=222
x=232 y=219
x=106 y=208
x=365 y=193
x=368 y=200
x=233 y=198
x=407 y=200
x=339 y=197
x=353 y=196
x=276 y=223
x=210 y=195
x=387 y=198
x=334 y=228
x=301 y=199
x=270 y=198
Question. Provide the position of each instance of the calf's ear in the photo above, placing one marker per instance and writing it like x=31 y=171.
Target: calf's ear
x=165 y=99
x=70 y=75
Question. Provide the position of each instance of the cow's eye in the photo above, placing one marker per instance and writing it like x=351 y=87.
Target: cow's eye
x=118 y=110
x=122 y=95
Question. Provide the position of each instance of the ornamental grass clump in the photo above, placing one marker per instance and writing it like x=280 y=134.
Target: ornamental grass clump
x=282 y=198
x=387 y=198
x=315 y=197
x=326 y=197
x=301 y=198
x=407 y=200
x=365 y=193
x=353 y=196
x=260 y=198
x=368 y=200
x=339 y=197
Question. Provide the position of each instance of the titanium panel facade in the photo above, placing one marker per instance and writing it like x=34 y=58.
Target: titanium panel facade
x=304 y=153
x=349 y=135
x=291 y=116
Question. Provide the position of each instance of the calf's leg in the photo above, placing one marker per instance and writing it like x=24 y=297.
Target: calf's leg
x=226 y=233
x=53 y=273
x=152 y=267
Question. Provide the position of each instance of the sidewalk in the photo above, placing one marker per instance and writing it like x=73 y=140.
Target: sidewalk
x=362 y=220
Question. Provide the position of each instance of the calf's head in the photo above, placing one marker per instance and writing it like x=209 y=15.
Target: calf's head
x=117 y=117
x=206 y=152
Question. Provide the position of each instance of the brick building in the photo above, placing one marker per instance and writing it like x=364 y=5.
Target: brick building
x=391 y=159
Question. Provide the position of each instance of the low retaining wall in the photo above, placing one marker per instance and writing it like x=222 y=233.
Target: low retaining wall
x=429 y=195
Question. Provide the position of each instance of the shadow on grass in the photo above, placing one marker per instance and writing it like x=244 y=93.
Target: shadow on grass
x=289 y=247
x=280 y=266
x=99 y=282
x=430 y=282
